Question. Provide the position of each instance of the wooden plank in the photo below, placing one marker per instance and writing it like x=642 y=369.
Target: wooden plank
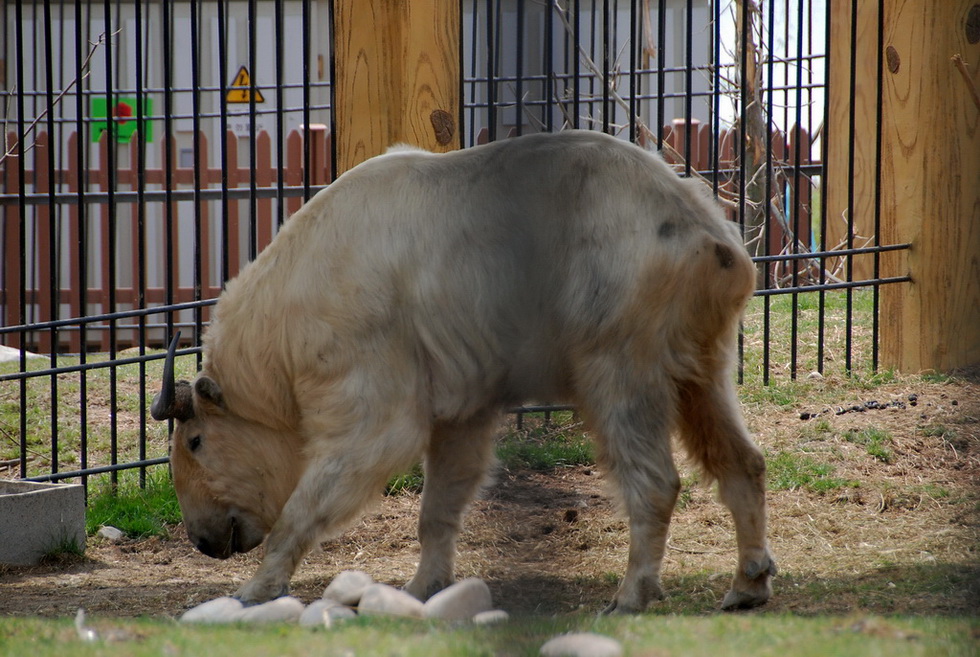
x=931 y=187
x=397 y=76
x=263 y=178
x=45 y=246
x=13 y=230
x=294 y=169
x=77 y=295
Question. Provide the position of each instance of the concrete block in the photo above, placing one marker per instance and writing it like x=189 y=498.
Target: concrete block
x=36 y=519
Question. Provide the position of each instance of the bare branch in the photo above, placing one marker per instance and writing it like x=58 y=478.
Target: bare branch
x=10 y=148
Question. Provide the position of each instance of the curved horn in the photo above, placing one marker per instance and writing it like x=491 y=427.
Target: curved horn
x=169 y=402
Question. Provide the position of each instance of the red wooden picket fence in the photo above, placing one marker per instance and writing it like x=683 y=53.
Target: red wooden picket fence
x=52 y=289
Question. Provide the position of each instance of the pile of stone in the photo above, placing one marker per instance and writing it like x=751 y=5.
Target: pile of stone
x=354 y=593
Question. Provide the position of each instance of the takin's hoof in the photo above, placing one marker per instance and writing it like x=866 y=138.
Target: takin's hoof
x=425 y=590
x=752 y=587
x=251 y=594
x=636 y=598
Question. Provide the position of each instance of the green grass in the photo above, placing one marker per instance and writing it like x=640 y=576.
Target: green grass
x=781 y=311
x=717 y=635
x=792 y=471
x=546 y=448
x=875 y=441
x=64 y=419
x=138 y=512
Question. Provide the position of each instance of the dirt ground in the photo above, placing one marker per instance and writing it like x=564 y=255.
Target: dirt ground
x=902 y=537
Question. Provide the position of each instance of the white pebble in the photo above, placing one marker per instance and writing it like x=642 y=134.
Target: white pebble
x=324 y=613
x=219 y=610
x=384 y=599
x=347 y=587
x=491 y=617
x=461 y=601
x=111 y=533
x=583 y=644
x=285 y=609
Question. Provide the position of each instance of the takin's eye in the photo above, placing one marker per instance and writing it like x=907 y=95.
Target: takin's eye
x=194 y=443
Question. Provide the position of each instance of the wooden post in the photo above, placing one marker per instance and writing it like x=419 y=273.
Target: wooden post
x=930 y=194
x=397 y=76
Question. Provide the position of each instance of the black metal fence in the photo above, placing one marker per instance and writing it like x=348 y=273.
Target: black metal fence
x=153 y=147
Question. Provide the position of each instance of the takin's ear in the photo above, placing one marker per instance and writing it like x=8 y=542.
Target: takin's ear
x=209 y=391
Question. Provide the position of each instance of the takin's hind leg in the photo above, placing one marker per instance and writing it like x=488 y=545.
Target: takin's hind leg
x=714 y=433
x=456 y=465
x=634 y=449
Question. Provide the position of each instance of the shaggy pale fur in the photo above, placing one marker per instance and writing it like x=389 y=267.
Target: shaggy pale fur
x=404 y=306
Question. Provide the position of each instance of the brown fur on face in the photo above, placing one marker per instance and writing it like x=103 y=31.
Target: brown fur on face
x=232 y=476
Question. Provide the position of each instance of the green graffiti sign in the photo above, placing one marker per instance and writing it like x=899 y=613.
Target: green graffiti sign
x=122 y=121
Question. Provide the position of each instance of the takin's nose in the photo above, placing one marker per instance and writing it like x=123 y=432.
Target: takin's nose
x=211 y=549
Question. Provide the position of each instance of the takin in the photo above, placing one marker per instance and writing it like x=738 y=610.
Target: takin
x=405 y=307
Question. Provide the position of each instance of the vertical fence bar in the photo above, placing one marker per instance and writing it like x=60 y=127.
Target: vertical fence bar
x=606 y=67
x=109 y=239
x=824 y=209
x=53 y=237
x=491 y=73
x=576 y=62
x=253 y=135
x=519 y=78
x=279 y=31
x=879 y=94
x=201 y=176
x=769 y=268
x=223 y=135
x=851 y=122
x=661 y=73
x=307 y=145
x=549 y=65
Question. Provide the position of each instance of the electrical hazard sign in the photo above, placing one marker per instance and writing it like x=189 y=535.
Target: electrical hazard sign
x=242 y=91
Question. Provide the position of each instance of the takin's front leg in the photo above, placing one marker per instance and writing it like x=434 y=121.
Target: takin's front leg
x=335 y=488
x=456 y=464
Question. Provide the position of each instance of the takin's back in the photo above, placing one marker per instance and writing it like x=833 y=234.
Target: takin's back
x=483 y=274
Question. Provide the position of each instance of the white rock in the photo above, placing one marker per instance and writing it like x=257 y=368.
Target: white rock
x=219 y=610
x=491 y=617
x=582 y=644
x=461 y=601
x=324 y=613
x=111 y=533
x=347 y=587
x=11 y=355
x=286 y=609
x=384 y=599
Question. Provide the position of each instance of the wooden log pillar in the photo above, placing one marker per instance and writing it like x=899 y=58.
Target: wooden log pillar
x=397 y=76
x=930 y=191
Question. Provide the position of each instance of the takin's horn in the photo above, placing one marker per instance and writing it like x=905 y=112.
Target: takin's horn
x=174 y=399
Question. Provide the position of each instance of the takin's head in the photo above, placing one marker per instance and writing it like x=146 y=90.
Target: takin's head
x=232 y=475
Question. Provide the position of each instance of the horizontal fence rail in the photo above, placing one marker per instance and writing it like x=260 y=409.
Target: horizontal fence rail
x=151 y=150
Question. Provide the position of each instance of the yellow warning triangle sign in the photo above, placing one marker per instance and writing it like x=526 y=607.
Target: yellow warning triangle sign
x=241 y=89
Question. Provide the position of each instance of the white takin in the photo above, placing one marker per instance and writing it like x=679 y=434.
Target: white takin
x=401 y=310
